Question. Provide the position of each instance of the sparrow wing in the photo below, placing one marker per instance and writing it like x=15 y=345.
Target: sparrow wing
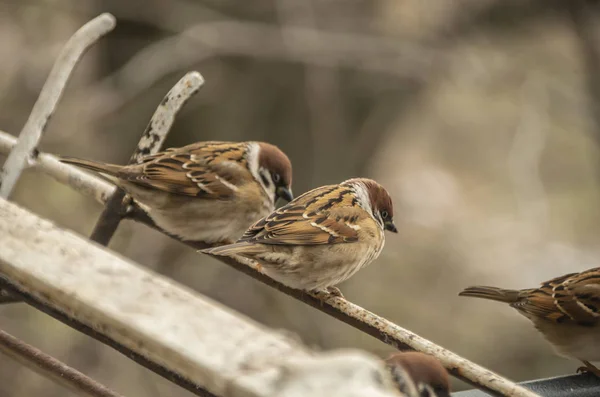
x=573 y=298
x=204 y=169
x=579 y=296
x=325 y=215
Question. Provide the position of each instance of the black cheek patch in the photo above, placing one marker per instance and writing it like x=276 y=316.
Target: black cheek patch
x=264 y=179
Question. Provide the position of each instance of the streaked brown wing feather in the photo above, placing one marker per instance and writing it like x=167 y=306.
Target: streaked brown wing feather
x=574 y=297
x=540 y=303
x=204 y=169
x=583 y=290
x=310 y=219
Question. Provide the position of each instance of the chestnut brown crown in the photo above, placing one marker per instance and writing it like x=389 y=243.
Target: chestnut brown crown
x=381 y=202
x=279 y=166
x=423 y=369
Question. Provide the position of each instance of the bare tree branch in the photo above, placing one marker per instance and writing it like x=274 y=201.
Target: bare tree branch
x=51 y=93
x=163 y=118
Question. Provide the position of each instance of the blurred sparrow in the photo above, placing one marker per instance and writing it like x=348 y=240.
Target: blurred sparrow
x=418 y=375
x=321 y=238
x=566 y=310
x=206 y=191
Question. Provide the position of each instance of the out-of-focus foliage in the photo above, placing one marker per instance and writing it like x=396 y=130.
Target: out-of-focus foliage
x=481 y=118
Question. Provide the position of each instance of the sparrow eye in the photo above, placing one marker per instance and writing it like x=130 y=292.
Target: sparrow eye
x=384 y=214
x=276 y=178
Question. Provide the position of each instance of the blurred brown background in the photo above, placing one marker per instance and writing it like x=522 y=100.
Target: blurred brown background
x=480 y=116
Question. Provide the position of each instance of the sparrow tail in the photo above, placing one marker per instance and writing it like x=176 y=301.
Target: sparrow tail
x=231 y=249
x=492 y=293
x=108 y=169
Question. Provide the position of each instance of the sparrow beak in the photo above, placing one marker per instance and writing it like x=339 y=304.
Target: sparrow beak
x=389 y=225
x=284 y=193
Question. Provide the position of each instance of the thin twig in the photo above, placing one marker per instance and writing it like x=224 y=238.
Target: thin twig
x=343 y=310
x=52 y=368
x=25 y=151
x=151 y=142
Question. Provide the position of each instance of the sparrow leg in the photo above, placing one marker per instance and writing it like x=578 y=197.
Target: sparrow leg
x=588 y=368
x=329 y=292
x=335 y=291
x=127 y=205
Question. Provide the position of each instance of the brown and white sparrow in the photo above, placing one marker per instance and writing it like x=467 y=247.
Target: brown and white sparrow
x=566 y=310
x=418 y=375
x=321 y=238
x=207 y=191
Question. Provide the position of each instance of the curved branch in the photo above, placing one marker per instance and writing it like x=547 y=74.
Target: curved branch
x=25 y=150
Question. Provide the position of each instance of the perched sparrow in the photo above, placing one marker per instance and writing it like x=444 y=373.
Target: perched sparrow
x=566 y=310
x=206 y=191
x=418 y=375
x=321 y=238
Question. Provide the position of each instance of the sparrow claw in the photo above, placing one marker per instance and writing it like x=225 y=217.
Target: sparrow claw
x=588 y=368
x=327 y=293
x=128 y=205
x=321 y=294
x=335 y=291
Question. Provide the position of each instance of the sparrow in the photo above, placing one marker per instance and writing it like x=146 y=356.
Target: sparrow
x=320 y=238
x=206 y=191
x=566 y=310
x=418 y=375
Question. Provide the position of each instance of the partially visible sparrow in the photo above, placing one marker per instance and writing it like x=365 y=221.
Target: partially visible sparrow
x=206 y=191
x=418 y=375
x=322 y=237
x=566 y=310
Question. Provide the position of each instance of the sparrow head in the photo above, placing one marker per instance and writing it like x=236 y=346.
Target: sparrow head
x=428 y=375
x=379 y=201
x=273 y=171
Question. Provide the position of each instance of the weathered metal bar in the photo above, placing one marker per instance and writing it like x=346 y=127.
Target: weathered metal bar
x=199 y=339
x=41 y=305
x=52 y=368
x=25 y=150
x=585 y=385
